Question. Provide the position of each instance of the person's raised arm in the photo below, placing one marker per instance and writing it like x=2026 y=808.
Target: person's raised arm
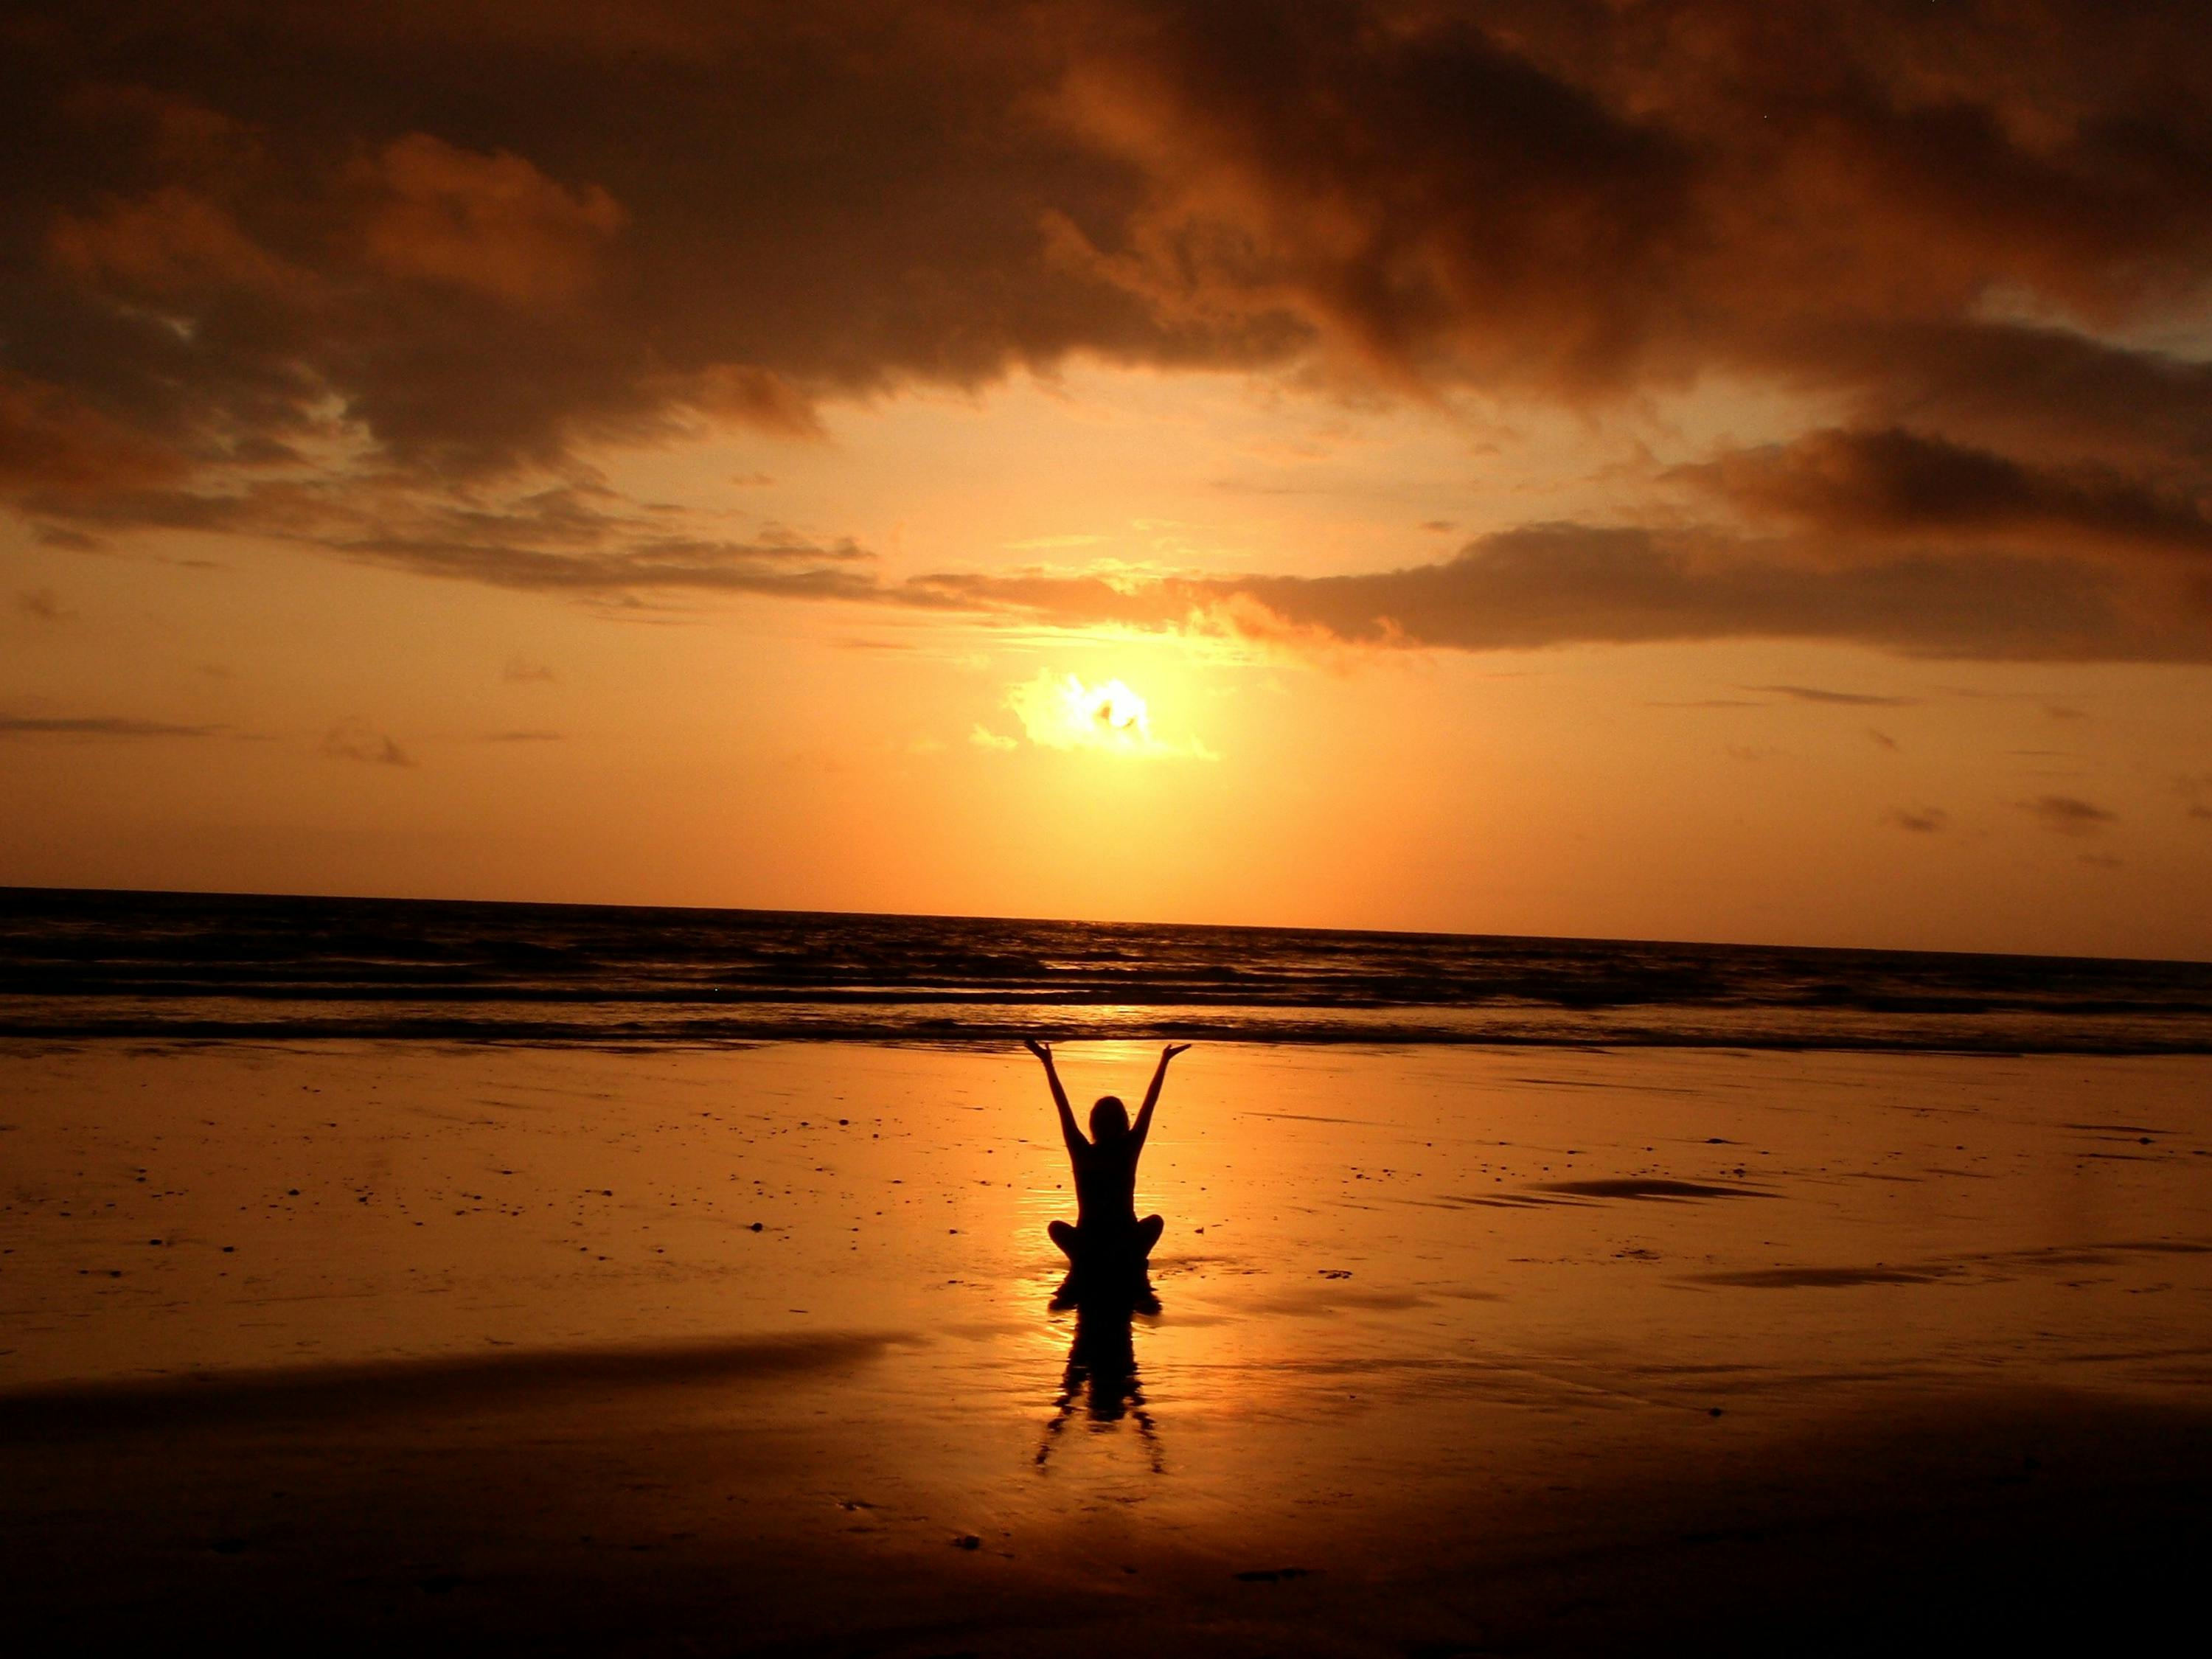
x=1144 y=1124
x=1068 y=1132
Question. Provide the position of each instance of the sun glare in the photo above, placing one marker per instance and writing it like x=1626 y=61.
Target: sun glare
x=1061 y=711
x=1112 y=709
x=1064 y=713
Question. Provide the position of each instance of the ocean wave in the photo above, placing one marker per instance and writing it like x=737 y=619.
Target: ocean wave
x=82 y=965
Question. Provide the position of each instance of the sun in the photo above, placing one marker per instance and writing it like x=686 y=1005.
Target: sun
x=1112 y=712
x=1063 y=711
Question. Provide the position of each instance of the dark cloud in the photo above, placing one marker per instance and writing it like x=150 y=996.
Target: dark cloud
x=481 y=243
x=54 y=535
x=522 y=671
x=97 y=725
x=42 y=604
x=2052 y=392
x=722 y=567
x=2068 y=815
x=1923 y=821
x=1408 y=189
x=333 y=275
x=1572 y=584
x=575 y=538
x=1845 y=699
x=1880 y=739
x=1892 y=485
x=355 y=739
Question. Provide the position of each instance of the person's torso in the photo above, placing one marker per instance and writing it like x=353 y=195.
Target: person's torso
x=1105 y=1186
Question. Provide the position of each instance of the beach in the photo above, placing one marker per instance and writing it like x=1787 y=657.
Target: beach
x=752 y=1349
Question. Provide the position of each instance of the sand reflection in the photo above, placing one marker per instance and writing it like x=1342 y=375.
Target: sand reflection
x=1101 y=1383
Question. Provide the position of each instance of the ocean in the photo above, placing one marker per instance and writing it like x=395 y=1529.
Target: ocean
x=80 y=965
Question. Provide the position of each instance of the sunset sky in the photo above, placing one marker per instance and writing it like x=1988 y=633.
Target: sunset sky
x=1709 y=471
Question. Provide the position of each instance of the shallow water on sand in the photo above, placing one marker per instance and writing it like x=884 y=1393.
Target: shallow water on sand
x=1680 y=1229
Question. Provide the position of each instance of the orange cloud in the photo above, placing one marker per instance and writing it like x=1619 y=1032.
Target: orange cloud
x=54 y=445
x=491 y=223
x=174 y=239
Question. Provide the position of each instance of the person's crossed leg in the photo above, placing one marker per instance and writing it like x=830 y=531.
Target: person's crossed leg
x=1070 y=1238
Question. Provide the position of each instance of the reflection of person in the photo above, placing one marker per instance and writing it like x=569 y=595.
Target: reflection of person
x=1106 y=1232
x=1101 y=1379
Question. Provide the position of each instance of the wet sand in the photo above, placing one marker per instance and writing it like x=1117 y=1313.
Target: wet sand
x=1456 y=1350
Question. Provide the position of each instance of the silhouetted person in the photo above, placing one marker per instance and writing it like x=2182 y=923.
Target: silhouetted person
x=1106 y=1238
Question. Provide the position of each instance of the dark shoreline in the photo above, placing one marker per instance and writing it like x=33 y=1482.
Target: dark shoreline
x=613 y=1509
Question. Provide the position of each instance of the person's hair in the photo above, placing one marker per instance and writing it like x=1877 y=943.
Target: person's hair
x=1109 y=1118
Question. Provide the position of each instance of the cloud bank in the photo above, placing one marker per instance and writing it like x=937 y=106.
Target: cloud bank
x=1550 y=585
x=378 y=283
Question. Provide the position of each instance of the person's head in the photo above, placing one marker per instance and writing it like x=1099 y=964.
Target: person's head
x=1109 y=1119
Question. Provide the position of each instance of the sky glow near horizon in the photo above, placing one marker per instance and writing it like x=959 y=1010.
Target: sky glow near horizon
x=1679 y=472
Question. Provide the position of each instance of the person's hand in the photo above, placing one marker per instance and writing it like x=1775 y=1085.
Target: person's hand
x=1172 y=1051
x=1041 y=1050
